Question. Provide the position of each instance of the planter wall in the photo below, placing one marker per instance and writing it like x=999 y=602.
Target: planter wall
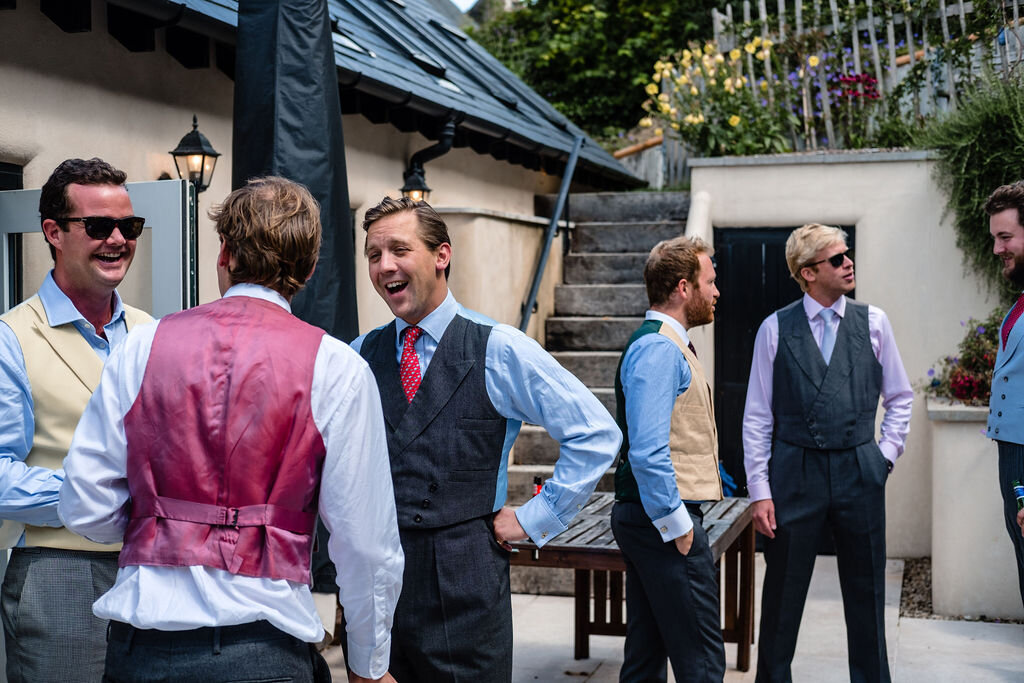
x=973 y=569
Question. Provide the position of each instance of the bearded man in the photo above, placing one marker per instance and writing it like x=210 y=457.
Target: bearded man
x=1005 y=208
x=668 y=467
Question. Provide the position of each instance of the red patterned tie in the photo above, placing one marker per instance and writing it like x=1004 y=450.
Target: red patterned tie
x=1015 y=312
x=410 y=370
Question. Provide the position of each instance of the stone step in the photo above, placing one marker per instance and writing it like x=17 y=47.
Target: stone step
x=534 y=446
x=593 y=368
x=520 y=481
x=600 y=299
x=591 y=269
x=619 y=206
x=613 y=238
x=589 y=334
x=606 y=395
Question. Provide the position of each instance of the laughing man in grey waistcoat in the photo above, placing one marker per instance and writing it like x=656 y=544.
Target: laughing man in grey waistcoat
x=456 y=387
x=812 y=460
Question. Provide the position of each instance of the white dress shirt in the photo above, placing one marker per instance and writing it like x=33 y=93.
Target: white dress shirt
x=758 y=420
x=356 y=504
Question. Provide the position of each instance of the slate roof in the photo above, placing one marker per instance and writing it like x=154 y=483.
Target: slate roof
x=401 y=62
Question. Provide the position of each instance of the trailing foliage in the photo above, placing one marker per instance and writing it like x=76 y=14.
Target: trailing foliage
x=590 y=58
x=981 y=146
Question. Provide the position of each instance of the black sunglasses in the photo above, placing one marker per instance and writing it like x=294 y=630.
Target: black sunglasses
x=100 y=227
x=835 y=261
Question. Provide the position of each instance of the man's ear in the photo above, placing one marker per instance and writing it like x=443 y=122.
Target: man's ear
x=809 y=273
x=52 y=232
x=442 y=257
x=224 y=255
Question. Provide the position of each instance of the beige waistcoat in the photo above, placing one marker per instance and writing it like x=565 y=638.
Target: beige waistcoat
x=693 y=440
x=63 y=371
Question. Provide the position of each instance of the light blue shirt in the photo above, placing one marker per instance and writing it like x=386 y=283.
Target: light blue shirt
x=29 y=494
x=654 y=373
x=525 y=384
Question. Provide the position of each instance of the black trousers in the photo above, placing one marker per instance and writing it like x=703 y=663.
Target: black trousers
x=246 y=653
x=453 y=622
x=843 y=493
x=1011 y=468
x=672 y=606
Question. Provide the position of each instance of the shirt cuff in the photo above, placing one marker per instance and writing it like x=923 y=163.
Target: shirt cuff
x=369 y=662
x=539 y=521
x=760 y=490
x=889 y=450
x=675 y=524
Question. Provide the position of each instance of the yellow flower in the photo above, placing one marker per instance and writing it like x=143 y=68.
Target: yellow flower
x=687 y=55
x=767 y=43
x=646 y=122
x=700 y=118
x=734 y=120
x=712 y=81
x=663 y=97
x=813 y=61
x=756 y=41
x=719 y=59
x=682 y=80
x=656 y=78
x=659 y=65
x=664 y=108
x=764 y=85
x=693 y=90
x=710 y=47
x=673 y=112
x=734 y=54
x=750 y=48
x=651 y=89
x=743 y=80
x=658 y=131
x=761 y=55
x=675 y=126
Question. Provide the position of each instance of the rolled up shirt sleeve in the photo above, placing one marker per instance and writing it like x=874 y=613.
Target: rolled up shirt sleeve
x=653 y=374
x=524 y=382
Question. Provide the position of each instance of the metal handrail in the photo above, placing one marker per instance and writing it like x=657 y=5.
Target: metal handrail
x=549 y=235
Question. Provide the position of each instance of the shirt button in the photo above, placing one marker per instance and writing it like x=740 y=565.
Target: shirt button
x=664 y=529
x=1003 y=397
x=999 y=414
x=544 y=535
x=418 y=518
x=1005 y=378
x=426 y=503
x=432 y=487
x=997 y=430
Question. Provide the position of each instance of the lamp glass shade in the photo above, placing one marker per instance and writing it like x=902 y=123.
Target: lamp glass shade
x=195 y=158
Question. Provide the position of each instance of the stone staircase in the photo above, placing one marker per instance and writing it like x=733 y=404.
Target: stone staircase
x=599 y=305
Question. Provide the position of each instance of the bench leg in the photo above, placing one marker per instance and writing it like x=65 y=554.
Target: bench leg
x=582 y=647
x=746 y=599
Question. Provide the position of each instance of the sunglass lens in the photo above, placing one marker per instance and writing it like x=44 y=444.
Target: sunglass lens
x=839 y=259
x=100 y=227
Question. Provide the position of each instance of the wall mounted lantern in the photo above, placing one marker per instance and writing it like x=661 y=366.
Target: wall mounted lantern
x=195 y=157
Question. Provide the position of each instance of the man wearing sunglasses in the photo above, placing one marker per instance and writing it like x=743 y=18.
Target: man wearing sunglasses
x=812 y=460
x=52 y=349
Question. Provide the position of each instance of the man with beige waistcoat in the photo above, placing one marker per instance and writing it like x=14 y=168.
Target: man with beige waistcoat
x=668 y=466
x=52 y=349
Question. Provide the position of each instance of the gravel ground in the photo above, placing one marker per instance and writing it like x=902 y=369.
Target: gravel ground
x=916 y=596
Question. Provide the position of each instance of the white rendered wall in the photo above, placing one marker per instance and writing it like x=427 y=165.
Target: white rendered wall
x=907 y=263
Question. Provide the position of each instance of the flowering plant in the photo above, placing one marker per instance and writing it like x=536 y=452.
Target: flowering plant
x=967 y=376
x=705 y=96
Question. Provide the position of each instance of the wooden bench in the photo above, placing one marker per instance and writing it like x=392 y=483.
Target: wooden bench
x=589 y=548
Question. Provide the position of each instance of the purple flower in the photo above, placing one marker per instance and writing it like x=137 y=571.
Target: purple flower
x=931 y=372
x=981 y=329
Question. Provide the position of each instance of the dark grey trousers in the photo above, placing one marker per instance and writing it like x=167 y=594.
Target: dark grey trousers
x=672 y=611
x=843 y=493
x=1011 y=468
x=453 y=623
x=246 y=653
x=50 y=631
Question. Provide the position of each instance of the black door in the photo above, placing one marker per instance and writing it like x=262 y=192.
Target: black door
x=754 y=281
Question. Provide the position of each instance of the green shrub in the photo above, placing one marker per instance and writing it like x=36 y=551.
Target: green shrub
x=981 y=146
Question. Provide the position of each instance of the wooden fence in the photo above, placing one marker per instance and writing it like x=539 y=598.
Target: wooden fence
x=921 y=52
